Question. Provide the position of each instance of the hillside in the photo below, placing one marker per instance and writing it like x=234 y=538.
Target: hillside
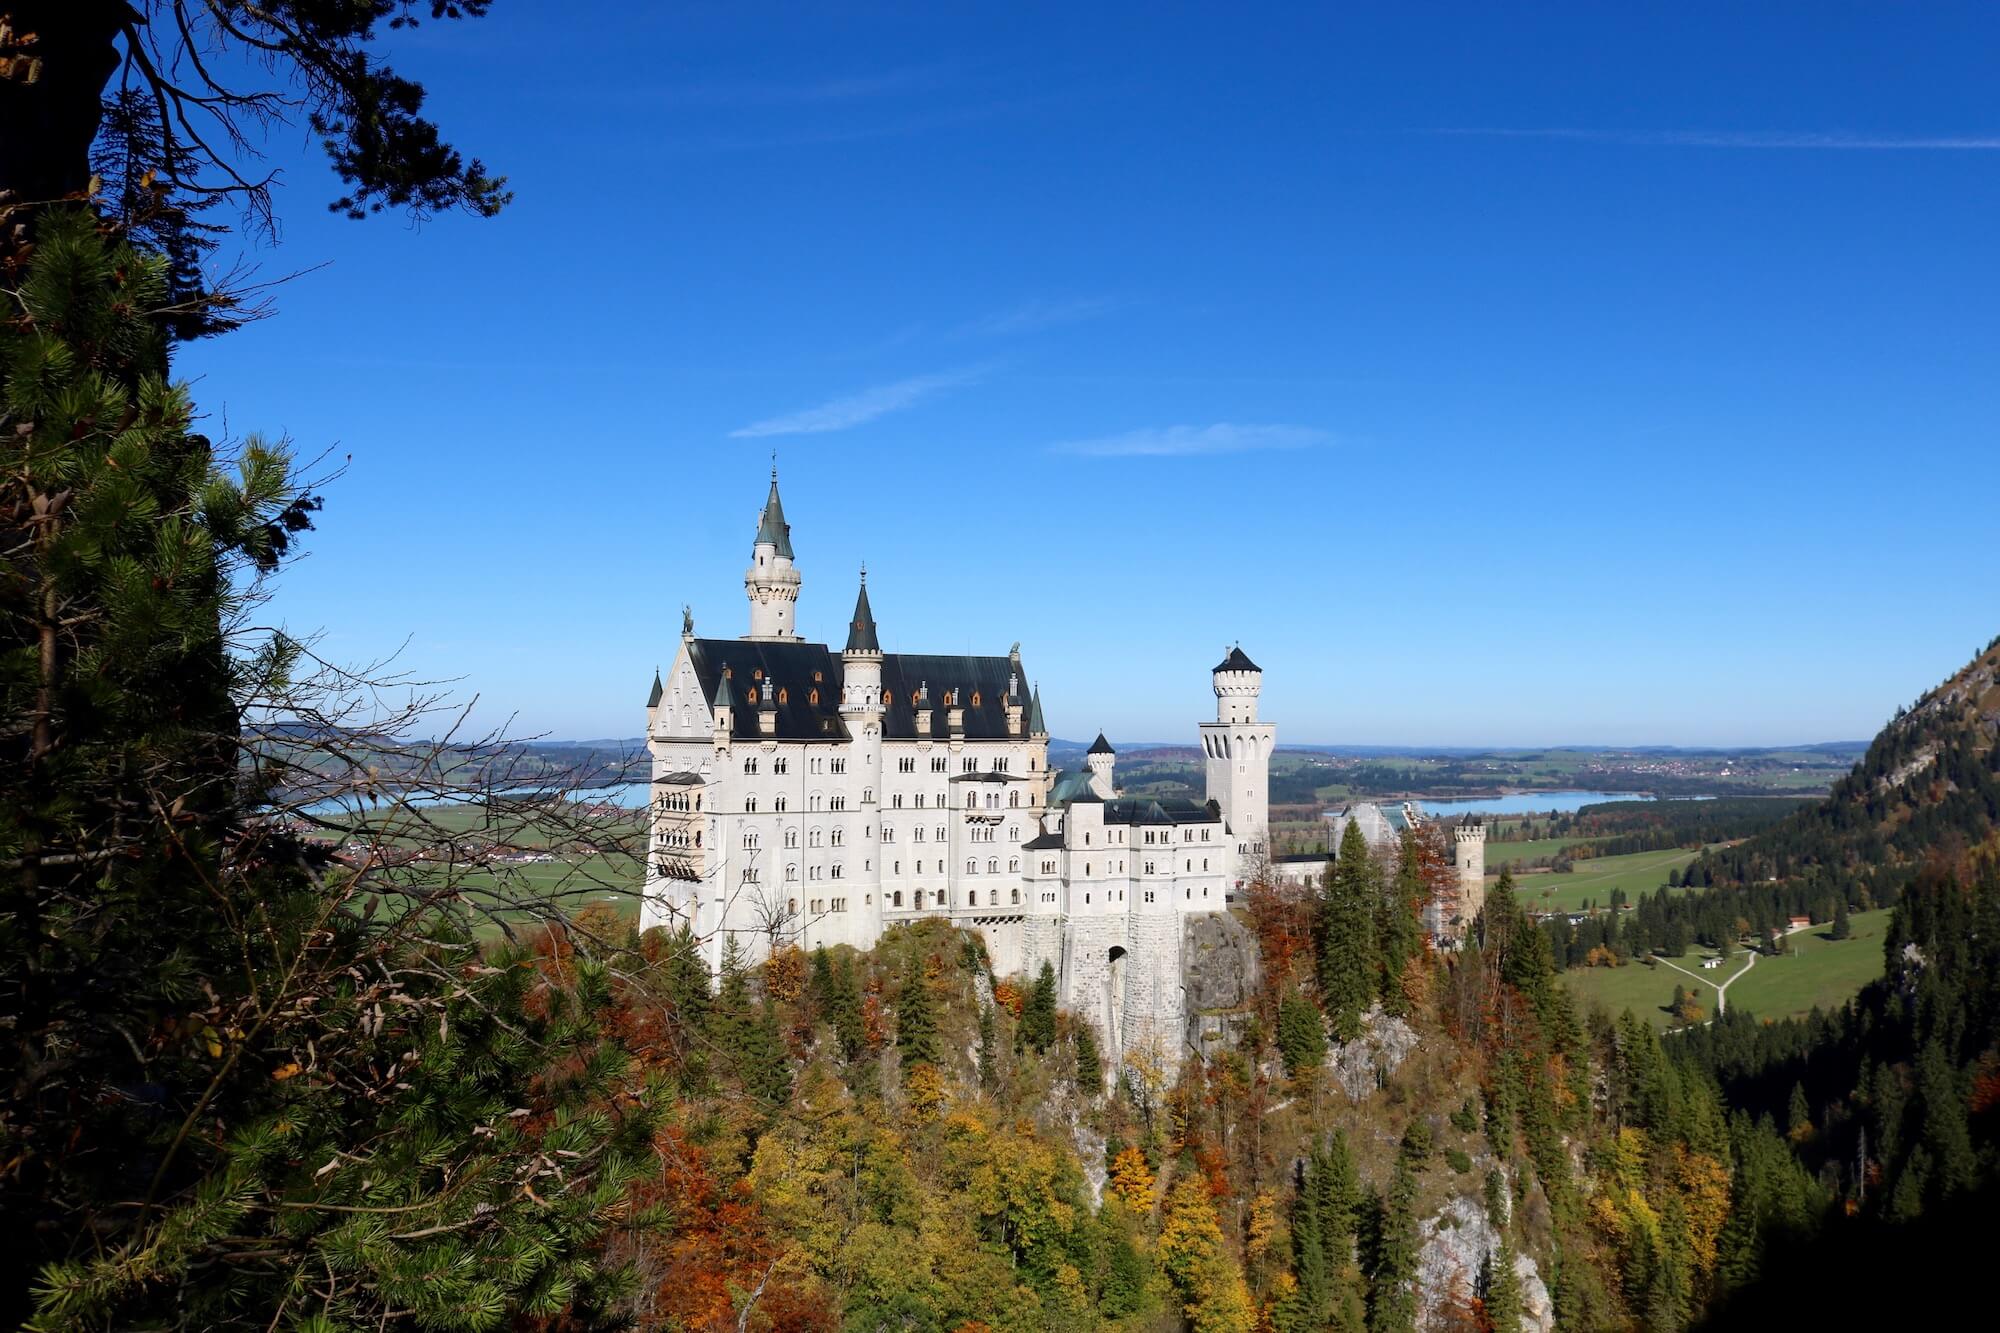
x=1928 y=787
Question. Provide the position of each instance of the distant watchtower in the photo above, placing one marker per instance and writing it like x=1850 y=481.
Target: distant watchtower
x=1468 y=854
x=1236 y=750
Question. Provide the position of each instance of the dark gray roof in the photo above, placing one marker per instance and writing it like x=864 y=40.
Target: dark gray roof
x=659 y=691
x=974 y=678
x=1237 y=660
x=783 y=672
x=771 y=527
x=682 y=779
x=723 y=696
x=1160 y=810
x=799 y=669
x=861 y=630
x=1037 y=727
x=1041 y=842
x=1101 y=746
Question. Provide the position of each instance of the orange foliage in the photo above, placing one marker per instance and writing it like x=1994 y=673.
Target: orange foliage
x=874 y=1031
x=718 y=1248
x=1282 y=917
x=785 y=974
x=1008 y=996
x=1985 y=1085
x=1132 y=1180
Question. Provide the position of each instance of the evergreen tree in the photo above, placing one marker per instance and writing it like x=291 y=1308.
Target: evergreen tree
x=746 y=1033
x=845 y=1009
x=916 y=1020
x=1500 y=1288
x=1089 y=1069
x=1301 y=1034
x=819 y=984
x=1038 y=1015
x=1392 y=1306
x=1798 y=1113
x=989 y=1070
x=1398 y=924
x=1842 y=927
x=1348 y=957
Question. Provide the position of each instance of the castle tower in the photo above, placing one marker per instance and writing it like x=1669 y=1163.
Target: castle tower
x=1236 y=750
x=772 y=581
x=1468 y=855
x=1099 y=762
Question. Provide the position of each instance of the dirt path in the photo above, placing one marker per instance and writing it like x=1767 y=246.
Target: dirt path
x=1721 y=987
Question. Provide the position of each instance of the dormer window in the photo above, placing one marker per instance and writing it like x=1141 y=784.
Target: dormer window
x=888 y=697
x=751 y=696
x=813 y=697
x=975 y=698
x=784 y=695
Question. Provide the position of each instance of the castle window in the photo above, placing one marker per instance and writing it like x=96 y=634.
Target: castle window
x=779 y=804
x=758 y=674
x=1086 y=899
x=812 y=698
x=975 y=698
x=791 y=874
x=993 y=897
x=751 y=697
x=896 y=801
x=993 y=866
x=920 y=900
x=1014 y=896
x=889 y=697
x=785 y=695
x=749 y=765
x=1013 y=864
x=971 y=866
x=899 y=898
x=749 y=805
x=867 y=796
x=1013 y=800
x=781 y=765
x=817 y=677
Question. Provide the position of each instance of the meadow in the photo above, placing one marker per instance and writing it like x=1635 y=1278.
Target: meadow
x=1818 y=973
x=1595 y=878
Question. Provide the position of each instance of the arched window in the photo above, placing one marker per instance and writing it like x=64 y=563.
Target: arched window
x=812 y=698
x=920 y=900
x=791 y=874
x=751 y=696
x=971 y=866
x=867 y=796
x=1014 y=896
x=889 y=697
x=784 y=695
x=749 y=805
x=975 y=698
x=993 y=897
x=779 y=804
x=1013 y=800
x=749 y=765
x=899 y=898
x=993 y=866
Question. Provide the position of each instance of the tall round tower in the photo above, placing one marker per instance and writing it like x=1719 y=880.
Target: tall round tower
x=1236 y=753
x=772 y=581
x=1468 y=846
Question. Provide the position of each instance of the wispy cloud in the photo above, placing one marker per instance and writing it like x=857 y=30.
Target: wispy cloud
x=858 y=408
x=1188 y=441
x=1765 y=139
x=1033 y=316
x=806 y=92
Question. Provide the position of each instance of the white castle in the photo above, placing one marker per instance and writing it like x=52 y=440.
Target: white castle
x=806 y=796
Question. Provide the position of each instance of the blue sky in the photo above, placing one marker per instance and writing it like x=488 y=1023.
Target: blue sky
x=1496 y=374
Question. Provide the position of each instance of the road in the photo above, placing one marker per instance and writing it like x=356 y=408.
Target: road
x=1721 y=987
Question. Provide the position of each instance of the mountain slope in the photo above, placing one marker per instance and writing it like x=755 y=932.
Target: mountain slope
x=1928 y=787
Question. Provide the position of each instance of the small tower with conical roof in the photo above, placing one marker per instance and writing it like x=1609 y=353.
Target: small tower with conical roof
x=1236 y=753
x=1099 y=761
x=861 y=660
x=772 y=581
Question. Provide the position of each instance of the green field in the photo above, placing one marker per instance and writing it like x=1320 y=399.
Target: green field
x=1638 y=873
x=1534 y=849
x=1818 y=972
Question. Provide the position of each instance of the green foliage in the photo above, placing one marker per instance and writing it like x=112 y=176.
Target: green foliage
x=916 y=1020
x=1500 y=1289
x=1301 y=1034
x=1089 y=1069
x=1038 y=1015
x=1398 y=924
x=745 y=1034
x=1348 y=956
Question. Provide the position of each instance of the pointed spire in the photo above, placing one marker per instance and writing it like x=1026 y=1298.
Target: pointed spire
x=659 y=691
x=1101 y=746
x=772 y=527
x=861 y=630
x=1037 y=727
x=724 y=697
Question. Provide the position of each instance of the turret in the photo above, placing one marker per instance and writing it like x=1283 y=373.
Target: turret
x=1099 y=761
x=767 y=710
x=725 y=710
x=861 y=659
x=772 y=581
x=1238 y=681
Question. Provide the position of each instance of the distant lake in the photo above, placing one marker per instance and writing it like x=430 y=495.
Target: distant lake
x=1527 y=802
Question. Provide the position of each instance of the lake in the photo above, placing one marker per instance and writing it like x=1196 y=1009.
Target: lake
x=1526 y=803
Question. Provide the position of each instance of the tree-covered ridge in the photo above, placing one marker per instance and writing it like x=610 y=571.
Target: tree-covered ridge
x=1928 y=785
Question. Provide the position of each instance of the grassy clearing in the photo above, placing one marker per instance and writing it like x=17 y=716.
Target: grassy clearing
x=1819 y=971
x=1640 y=872
x=1534 y=849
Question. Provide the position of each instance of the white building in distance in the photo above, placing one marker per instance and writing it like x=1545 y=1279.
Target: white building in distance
x=803 y=795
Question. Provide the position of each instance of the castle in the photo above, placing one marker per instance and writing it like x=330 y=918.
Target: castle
x=802 y=795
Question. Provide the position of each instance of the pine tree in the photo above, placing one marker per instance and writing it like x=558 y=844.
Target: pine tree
x=916 y=1020
x=1842 y=927
x=1089 y=1069
x=746 y=1033
x=845 y=1010
x=1500 y=1288
x=1038 y=1016
x=1301 y=1034
x=1392 y=1288
x=1347 y=944
x=989 y=1069
x=1398 y=925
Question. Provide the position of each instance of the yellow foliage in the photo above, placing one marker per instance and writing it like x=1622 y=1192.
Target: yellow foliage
x=1263 y=1225
x=785 y=974
x=1190 y=1235
x=1132 y=1180
x=926 y=1091
x=1704 y=1188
